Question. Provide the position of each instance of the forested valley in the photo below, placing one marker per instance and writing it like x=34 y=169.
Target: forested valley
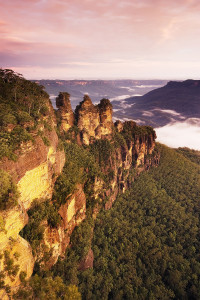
x=147 y=245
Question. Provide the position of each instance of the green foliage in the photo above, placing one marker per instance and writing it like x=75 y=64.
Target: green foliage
x=23 y=117
x=72 y=133
x=19 y=92
x=7 y=118
x=191 y=154
x=131 y=130
x=47 y=288
x=146 y=246
x=102 y=151
x=46 y=141
x=10 y=268
x=10 y=141
x=8 y=192
x=80 y=245
x=119 y=140
x=81 y=238
x=80 y=166
x=22 y=103
x=34 y=230
x=104 y=103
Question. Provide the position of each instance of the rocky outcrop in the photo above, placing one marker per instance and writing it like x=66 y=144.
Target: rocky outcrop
x=106 y=124
x=65 y=110
x=93 y=121
x=88 y=119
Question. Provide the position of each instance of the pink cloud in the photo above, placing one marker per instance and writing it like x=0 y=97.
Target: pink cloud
x=58 y=32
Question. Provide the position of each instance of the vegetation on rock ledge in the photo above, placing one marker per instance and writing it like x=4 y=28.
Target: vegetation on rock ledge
x=22 y=104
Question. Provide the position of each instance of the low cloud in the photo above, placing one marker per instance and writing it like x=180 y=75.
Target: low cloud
x=169 y=111
x=180 y=134
x=119 y=98
x=143 y=86
x=147 y=114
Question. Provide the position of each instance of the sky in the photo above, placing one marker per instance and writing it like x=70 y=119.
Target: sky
x=107 y=39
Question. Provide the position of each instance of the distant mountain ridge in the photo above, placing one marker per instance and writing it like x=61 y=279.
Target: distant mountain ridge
x=176 y=101
x=98 y=89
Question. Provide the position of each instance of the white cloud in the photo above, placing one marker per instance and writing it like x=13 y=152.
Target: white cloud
x=142 y=86
x=169 y=111
x=119 y=98
x=180 y=134
x=147 y=113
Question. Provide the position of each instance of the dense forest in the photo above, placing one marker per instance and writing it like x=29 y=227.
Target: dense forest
x=145 y=247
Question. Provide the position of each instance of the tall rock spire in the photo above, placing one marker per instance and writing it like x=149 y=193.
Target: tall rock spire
x=64 y=107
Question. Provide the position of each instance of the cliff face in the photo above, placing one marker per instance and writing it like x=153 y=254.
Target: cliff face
x=35 y=171
x=128 y=160
x=73 y=212
x=125 y=159
x=14 y=247
x=36 y=168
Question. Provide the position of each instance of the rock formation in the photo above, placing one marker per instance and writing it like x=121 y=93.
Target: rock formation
x=93 y=121
x=65 y=110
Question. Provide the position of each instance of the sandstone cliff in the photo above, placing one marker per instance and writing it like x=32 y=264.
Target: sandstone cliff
x=73 y=212
x=65 y=110
x=93 y=121
x=34 y=171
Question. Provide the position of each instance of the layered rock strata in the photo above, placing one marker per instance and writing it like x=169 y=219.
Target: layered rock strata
x=34 y=172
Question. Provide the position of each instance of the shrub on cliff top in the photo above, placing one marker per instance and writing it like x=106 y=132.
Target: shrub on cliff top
x=104 y=103
x=22 y=103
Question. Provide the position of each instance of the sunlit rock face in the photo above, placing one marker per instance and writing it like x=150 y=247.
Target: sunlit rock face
x=18 y=249
x=65 y=110
x=35 y=171
x=72 y=213
x=106 y=123
x=88 y=119
x=94 y=120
